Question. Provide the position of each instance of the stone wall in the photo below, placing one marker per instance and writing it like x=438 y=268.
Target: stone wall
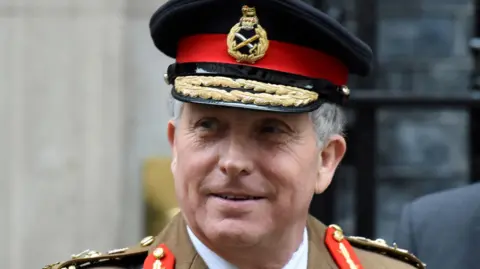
x=421 y=47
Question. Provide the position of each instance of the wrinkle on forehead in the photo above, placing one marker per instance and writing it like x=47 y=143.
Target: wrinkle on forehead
x=241 y=115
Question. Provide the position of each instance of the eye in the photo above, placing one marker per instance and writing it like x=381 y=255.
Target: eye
x=271 y=129
x=207 y=124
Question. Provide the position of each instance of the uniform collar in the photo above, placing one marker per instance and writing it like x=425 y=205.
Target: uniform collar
x=299 y=259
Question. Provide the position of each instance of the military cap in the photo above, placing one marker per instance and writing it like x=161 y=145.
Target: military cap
x=272 y=55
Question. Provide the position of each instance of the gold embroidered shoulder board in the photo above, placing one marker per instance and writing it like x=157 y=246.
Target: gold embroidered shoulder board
x=381 y=247
x=91 y=258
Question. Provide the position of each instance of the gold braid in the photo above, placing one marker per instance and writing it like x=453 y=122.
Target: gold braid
x=263 y=93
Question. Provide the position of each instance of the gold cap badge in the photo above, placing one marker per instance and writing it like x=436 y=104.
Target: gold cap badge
x=247 y=41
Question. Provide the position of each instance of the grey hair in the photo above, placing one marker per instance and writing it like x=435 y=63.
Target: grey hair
x=328 y=120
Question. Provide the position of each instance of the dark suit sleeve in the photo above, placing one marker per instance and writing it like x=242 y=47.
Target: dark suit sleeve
x=404 y=233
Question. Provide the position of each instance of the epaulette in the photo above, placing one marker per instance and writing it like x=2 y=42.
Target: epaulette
x=89 y=258
x=381 y=247
x=341 y=249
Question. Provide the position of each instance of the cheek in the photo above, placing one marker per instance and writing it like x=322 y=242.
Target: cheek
x=294 y=171
x=192 y=167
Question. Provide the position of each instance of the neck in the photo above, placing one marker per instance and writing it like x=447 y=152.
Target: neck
x=272 y=253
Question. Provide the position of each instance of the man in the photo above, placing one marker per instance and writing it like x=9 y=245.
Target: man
x=256 y=131
x=443 y=229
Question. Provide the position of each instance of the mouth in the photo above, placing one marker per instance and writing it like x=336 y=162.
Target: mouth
x=238 y=197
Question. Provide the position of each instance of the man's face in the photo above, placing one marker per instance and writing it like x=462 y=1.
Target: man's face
x=243 y=175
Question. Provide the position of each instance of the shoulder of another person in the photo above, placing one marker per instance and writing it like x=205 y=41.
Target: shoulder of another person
x=449 y=198
x=122 y=258
x=437 y=208
x=379 y=252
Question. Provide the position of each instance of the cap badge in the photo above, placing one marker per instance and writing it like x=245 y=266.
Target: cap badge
x=247 y=41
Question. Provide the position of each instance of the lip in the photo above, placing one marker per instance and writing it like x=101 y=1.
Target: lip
x=230 y=196
x=237 y=206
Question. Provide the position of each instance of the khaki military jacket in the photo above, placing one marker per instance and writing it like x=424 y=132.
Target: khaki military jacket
x=174 y=237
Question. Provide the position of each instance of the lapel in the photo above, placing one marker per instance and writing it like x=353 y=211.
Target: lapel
x=175 y=237
x=318 y=255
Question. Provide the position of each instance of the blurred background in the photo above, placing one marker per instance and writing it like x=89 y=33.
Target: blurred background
x=84 y=159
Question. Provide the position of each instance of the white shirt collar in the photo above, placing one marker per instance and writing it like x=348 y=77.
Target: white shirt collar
x=299 y=259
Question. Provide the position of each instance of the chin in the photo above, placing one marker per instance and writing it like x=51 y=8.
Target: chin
x=234 y=232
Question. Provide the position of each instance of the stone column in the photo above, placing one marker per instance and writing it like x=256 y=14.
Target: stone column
x=63 y=136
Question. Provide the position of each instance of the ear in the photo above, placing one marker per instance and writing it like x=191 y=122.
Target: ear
x=171 y=128
x=330 y=158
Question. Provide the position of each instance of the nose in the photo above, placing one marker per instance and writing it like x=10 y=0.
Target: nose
x=236 y=158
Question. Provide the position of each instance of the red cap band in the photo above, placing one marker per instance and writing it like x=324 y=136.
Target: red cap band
x=284 y=57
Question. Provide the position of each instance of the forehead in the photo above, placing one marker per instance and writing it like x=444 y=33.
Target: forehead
x=191 y=110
